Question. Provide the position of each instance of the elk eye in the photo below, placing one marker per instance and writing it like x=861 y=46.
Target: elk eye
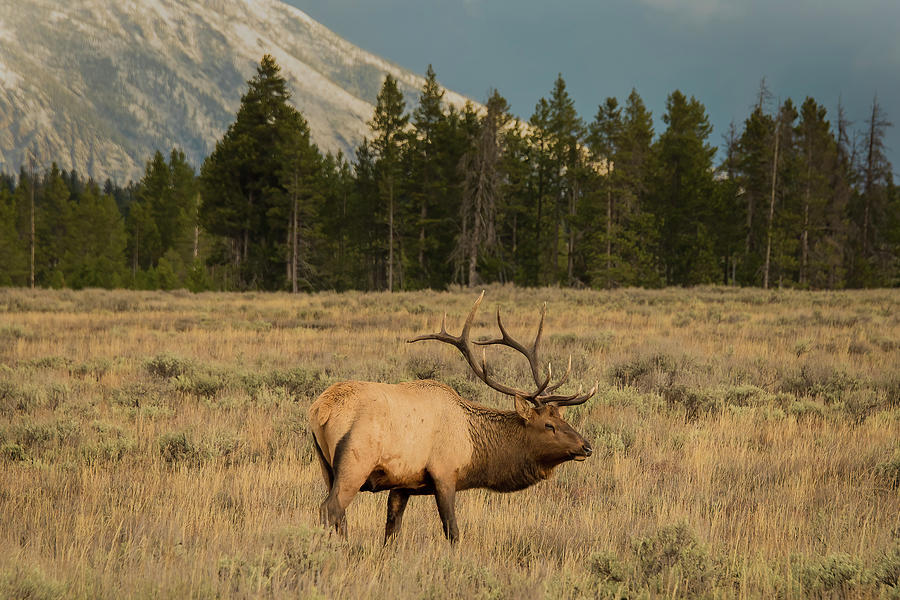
x=550 y=427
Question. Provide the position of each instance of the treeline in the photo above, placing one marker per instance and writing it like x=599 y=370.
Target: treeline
x=439 y=195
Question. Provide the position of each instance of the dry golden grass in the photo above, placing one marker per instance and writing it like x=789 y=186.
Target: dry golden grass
x=154 y=445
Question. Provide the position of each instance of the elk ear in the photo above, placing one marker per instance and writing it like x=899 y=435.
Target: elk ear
x=524 y=409
x=561 y=410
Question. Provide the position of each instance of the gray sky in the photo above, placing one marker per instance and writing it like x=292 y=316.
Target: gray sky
x=715 y=50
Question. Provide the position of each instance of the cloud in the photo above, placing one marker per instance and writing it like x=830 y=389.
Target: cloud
x=699 y=10
x=473 y=8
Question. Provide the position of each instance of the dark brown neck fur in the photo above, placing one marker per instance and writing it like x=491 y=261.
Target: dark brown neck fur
x=501 y=460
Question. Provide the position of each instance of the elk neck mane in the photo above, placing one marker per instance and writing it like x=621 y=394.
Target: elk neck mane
x=501 y=460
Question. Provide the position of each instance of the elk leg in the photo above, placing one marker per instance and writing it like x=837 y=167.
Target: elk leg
x=327 y=472
x=396 y=504
x=333 y=510
x=445 y=494
x=348 y=478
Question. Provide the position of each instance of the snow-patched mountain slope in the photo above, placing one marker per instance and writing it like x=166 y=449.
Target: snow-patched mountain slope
x=98 y=85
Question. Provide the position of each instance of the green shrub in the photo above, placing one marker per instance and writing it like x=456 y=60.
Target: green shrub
x=167 y=365
x=201 y=385
x=859 y=404
x=803 y=410
x=636 y=369
x=608 y=441
x=12 y=332
x=744 y=395
x=33 y=435
x=674 y=553
x=14 y=397
x=108 y=450
x=836 y=573
x=95 y=369
x=695 y=403
x=177 y=447
x=137 y=394
x=227 y=447
x=30 y=584
x=888 y=472
x=423 y=366
x=818 y=380
x=886 y=570
x=299 y=382
x=607 y=568
x=859 y=347
x=12 y=451
x=470 y=390
x=181 y=448
x=294 y=558
x=51 y=362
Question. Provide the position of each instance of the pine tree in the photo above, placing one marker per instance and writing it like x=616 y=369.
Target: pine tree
x=682 y=198
x=149 y=216
x=636 y=164
x=300 y=174
x=824 y=192
x=184 y=238
x=483 y=188
x=95 y=252
x=13 y=246
x=541 y=175
x=516 y=223
x=567 y=132
x=427 y=179
x=390 y=137
x=729 y=209
x=53 y=226
x=873 y=261
x=782 y=222
x=604 y=137
x=755 y=156
x=342 y=227
x=367 y=216
x=244 y=199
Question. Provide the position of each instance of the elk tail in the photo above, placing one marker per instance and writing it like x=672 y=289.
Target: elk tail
x=327 y=470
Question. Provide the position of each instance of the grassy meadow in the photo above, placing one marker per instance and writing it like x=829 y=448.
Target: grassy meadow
x=155 y=445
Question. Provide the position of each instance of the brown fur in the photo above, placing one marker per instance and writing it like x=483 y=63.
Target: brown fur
x=422 y=438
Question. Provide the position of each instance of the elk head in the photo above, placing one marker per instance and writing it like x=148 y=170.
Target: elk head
x=547 y=437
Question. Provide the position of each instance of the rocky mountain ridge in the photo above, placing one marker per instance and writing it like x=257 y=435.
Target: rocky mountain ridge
x=99 y=85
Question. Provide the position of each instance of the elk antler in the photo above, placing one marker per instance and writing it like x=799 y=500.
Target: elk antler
x=541 y=395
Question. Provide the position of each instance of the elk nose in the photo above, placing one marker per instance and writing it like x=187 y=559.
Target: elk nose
x=587 y=449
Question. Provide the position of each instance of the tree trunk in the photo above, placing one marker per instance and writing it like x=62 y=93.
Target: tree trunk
x=32 y=223
x=553 y=256
x=136 y=255
x=539 y=225
x=804 y=236
x=294 y=236
x=870 y=178
x=570 y=266
x=423 y=215
x=515 y=233
x=608 y=234
x=771 y=207
x=391 y=234
x=473 y=250
x=246 y=242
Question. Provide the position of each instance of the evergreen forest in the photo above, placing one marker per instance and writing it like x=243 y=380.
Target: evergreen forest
x=439 y=196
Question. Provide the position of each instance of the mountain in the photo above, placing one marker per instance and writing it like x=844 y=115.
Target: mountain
x=99 y=85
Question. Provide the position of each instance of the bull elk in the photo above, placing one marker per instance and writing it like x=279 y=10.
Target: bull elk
x=422 y=438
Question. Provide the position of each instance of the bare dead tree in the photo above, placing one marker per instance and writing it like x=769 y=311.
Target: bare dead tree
x=772 y=204
x=482 y=189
